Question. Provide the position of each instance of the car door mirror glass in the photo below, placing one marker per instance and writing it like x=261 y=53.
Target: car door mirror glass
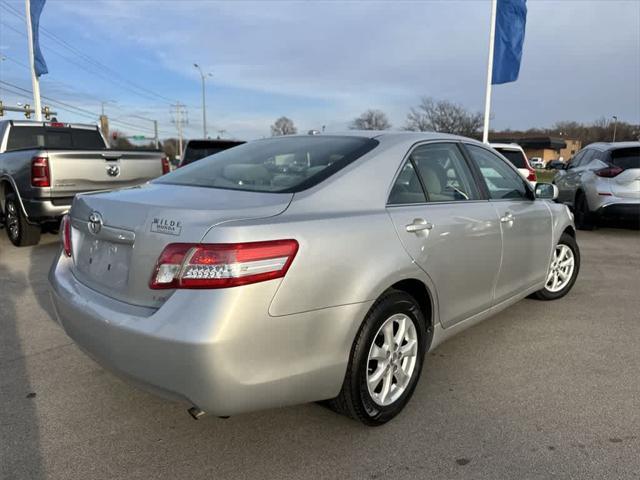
x=546 y=191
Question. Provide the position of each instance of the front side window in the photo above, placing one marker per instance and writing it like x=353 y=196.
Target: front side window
x=445 y=174
x=282 y=164
x=502 y=181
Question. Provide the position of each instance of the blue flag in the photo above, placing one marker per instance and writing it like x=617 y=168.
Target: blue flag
x=38 y=59
x=511 y=17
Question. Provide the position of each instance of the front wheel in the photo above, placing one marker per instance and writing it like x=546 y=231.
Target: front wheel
x=563 y=270
x=385 y=362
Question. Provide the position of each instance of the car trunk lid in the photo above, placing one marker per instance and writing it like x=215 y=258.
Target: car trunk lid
x=118 y=257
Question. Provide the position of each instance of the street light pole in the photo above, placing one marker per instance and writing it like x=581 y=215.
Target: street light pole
x=615 y=126
x=204 y=103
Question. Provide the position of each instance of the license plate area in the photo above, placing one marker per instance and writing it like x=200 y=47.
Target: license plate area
x=104 y=263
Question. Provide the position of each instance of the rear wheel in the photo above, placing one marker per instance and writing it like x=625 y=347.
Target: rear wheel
x=20 y=232
x=563 y=270
x=386 y=361
x=585 y=219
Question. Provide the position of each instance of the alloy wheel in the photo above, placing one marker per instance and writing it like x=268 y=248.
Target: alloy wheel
x=12 y=221
x=561 y=268
x=392 y=359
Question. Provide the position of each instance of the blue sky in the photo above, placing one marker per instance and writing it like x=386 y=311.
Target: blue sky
x=321 y=63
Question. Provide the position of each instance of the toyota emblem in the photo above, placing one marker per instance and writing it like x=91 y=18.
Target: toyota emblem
x=95 y=223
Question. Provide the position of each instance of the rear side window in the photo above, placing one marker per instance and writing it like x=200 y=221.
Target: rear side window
x=626 y=158
x=516 y=157
x=407 y=188
x=63 y=137
x=281 y=164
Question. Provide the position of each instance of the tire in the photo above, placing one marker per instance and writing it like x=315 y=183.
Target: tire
x=355 y=399
x=585 y=219
x=550 y=293
x=19 y=230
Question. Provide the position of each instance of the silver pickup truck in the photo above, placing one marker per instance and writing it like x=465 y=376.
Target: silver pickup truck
x=43 y=165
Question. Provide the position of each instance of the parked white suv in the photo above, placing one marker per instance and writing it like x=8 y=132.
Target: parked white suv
x=515 y=154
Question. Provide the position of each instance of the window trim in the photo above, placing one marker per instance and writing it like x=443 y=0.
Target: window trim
x=530 y=192
x=482 y=192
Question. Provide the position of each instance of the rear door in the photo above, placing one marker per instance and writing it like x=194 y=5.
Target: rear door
x=526 y=224
x=447 y=228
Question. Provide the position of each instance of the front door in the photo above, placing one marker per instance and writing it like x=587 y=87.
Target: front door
x=526 y=224
x=449 y=231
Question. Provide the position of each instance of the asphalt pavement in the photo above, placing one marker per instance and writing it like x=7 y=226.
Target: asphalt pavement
x=542 y=390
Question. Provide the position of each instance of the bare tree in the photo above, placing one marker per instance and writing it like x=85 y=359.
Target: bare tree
x=371 y=120
x=283 y=126
x=443 y=116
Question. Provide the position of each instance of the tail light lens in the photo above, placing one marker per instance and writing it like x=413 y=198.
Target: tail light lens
x=532 y=177
x=40 y=174
x=609 y=172
x=223 y=265
x=65 y=232
x=166 y=168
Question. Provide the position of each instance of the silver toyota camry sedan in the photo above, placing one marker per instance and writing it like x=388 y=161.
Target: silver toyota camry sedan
x=306 y=268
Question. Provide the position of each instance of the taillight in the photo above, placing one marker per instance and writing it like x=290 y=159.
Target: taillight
x=222 y=265
x=532 y=177
x=166 y=168
x=40 y=175
x=609 y=172
x=65 y=232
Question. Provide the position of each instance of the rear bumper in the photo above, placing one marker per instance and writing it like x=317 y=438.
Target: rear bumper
x=630 y=211
x=39 y=209
x=216 y=349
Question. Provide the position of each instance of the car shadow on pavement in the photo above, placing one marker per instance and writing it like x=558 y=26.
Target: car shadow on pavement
x=41 y=257
x=20 y=456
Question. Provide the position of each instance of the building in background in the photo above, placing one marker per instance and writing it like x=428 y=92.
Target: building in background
x=545 y=148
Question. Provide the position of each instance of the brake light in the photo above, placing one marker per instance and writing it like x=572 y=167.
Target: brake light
x=222 y=265
x=609 y=172
x=532 y=177
x=56 y=124
x=40 y=175
x=65 y=232
x=166 y=168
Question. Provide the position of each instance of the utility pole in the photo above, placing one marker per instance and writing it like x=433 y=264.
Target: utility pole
x=204 y=103
x=155 y=133
x=37 y=106
x=487 y=98
x=179 y=121
x=615 y=126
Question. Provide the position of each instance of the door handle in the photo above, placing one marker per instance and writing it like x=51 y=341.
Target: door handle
x=418 y=225
x=507 y=218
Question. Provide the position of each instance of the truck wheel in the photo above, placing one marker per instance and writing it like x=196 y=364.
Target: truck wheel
x=386 y=361
x=20 y=232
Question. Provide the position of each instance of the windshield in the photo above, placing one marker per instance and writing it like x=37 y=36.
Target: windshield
x=626 y=158
x=197 y=149
x=281 y=164
x=54 y=137
x=516 y=157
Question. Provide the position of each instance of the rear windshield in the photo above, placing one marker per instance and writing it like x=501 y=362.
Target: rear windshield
x=281 y=164
x=516 y=157
x=54 y=137
x=626 y=158
x=197 y=149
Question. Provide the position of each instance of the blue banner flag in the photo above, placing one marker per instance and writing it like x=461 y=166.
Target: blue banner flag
x=511 y=17
x=35 y=11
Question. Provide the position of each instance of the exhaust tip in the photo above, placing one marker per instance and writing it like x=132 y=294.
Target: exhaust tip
x=196 y=413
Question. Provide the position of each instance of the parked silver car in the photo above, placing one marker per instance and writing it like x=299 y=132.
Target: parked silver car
x=602 y=180
x=306 y=268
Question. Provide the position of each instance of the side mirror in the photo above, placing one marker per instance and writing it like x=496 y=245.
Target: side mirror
x=546 y=191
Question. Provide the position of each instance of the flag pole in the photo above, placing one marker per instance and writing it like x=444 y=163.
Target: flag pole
x=34 y=79
x=487 y=98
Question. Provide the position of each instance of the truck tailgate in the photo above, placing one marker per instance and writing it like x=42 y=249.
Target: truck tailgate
x=76 y=171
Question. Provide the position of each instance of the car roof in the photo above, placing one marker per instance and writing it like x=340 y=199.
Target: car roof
x=606 y=146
